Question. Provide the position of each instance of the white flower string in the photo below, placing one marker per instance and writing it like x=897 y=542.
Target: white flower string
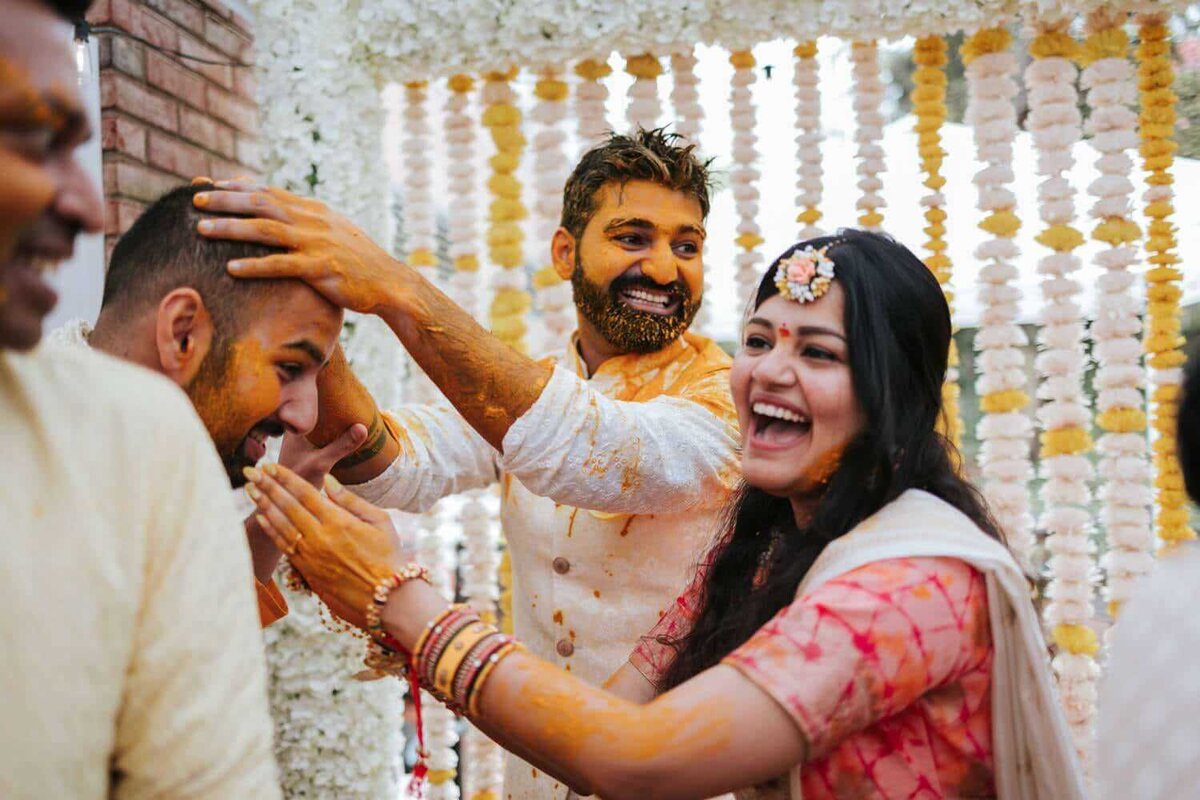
x=462 y=183
x=868 y=133
x=685 y=96
x=511 y=301
x=1124 y=469
x=745 y=175
x=1004 y=429
x=482 y=758
x=806 y=80
x=1164 y=342
x=1055 y=124
x=591 y=100
x=550 y=172
x=929 y=108
x=644 y=107
x=434 y=551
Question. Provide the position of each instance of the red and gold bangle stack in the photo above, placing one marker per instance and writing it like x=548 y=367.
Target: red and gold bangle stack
x=456 y=654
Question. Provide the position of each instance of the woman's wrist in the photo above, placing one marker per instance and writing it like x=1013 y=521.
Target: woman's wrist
x=409 y=609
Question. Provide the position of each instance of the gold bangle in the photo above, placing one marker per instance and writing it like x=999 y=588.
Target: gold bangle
x=435 y=622
x=485 y=673
x=455 y=654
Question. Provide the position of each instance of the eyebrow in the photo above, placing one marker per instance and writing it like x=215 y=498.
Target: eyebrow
x=645 y=224
x=803 y=330
x=309 y=349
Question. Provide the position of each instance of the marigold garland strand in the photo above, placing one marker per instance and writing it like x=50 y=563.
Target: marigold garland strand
x=1124 y=470
x=591 y=98
x=550 y=171
x=806 y=80
x=868 y=134
x=1054 y=122
x=502 y=118
x=929 y=107
x=1164 y=342
x=645 y=107
x=462 y=173
x=685 y=96
x=745 y=175
x=1005 y=428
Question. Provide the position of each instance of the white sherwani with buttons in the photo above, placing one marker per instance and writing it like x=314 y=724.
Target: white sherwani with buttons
x=611 y=487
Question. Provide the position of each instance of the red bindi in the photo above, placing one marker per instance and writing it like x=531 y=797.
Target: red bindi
x=784 y=332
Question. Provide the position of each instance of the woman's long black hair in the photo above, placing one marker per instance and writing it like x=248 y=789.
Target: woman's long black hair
x=898 y=342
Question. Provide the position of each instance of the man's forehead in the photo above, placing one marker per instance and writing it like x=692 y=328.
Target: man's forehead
x=649 y=201
x=295 y=313
x=37 y=45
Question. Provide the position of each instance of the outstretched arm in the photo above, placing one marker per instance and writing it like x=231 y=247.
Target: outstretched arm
x=489 y=383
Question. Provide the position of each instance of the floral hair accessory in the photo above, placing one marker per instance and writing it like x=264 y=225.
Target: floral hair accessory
x=805 y=275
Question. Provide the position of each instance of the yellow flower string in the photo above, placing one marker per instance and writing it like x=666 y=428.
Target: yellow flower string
x=550 y=171
x=1108 y=76
x=929 y=106
x=808 y=142
x=461 y=227
x=1164 y=340
x=868 y=133
x=1054 y=122
x=745 y=174
x=1004 y=428
x=505 y=238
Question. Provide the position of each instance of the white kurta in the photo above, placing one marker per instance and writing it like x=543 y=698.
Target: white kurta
x=611 y=489
x=132 y=660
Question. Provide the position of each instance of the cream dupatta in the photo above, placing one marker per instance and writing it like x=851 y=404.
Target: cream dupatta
x=1033 y=753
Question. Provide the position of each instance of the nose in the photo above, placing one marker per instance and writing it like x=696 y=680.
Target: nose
x=660 y=265
x=78 y=198
x=777 y=368
x=298 y=406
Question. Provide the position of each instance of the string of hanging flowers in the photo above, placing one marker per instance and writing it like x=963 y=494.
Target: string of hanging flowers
x=1004 y=429
x=502 y=118
x=1055 y=124
x=929 y=107
x=441 y=730
x=1123 y=465
x=644 y=106
x=591 y=100
x=806 y=80
x=550 y=171
x=463 y=213
x=745 y=174
x=1164 y=343
x=868 y=133
x=685 y=96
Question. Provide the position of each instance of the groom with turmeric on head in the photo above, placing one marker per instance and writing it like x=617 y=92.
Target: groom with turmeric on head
x=615 y=454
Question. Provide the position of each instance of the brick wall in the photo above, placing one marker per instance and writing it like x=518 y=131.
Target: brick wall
x=166 y=119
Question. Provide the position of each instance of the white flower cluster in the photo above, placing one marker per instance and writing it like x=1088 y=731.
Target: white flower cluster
x=1005 y=435
x=806 y=79
x=334 y=736
x=745 y=177
x=550 y=172
x=868 y=133
x=482 y=759
x=1054 y=121
x=685 y=96
x=462 y=176
x=1124 y=467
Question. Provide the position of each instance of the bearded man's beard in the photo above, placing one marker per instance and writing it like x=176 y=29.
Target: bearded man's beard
x=216 y=408
x=629 y=329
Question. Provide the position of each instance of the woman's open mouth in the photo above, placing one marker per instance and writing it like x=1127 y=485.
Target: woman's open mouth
x=775 y=427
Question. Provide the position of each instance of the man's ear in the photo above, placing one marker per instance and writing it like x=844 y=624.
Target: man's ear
x=183 y=334
x=562 y=253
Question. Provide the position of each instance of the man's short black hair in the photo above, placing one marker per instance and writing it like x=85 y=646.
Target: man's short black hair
x=162 y=251
x=1189 y=426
